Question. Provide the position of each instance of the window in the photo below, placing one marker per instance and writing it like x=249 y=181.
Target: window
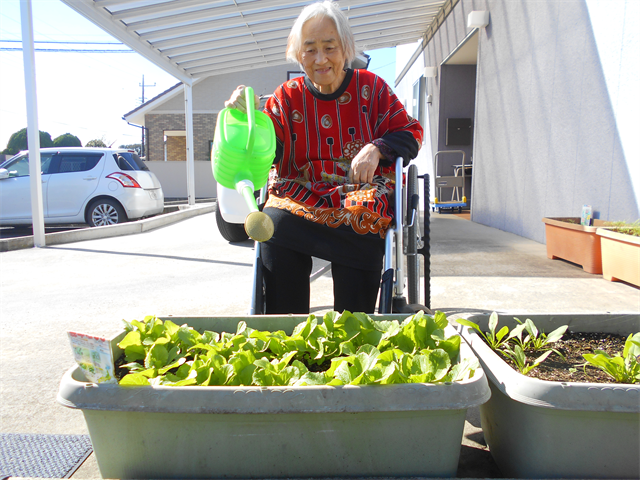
x=19 y=167
x=130 y=161
x=78 y=163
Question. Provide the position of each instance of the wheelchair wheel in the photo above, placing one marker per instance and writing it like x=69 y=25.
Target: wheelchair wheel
x=412 y=232
x=258 y=305
x=231 y=232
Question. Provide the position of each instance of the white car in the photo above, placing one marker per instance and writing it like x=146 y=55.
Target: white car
x=98 y=186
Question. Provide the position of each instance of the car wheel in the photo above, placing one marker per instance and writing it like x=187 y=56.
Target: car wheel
x=105 y=211
x=231 y=232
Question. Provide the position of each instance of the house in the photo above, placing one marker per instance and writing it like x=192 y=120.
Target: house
x=543 y=94
x=163 y=117
x=198 y=39
x=548 y=92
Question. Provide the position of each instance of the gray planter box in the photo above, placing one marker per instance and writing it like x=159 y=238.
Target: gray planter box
x=541 y=429
x=254 y=432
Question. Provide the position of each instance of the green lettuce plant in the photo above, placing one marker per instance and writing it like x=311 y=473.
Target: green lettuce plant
x=337 y=349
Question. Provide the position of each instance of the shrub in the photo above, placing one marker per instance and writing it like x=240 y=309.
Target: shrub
x=67 y=140
x=97 y=143
x=18 y=141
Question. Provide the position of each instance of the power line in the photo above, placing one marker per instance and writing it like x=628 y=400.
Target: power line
x=382 y=66
x=64 y=42
x=70 y=50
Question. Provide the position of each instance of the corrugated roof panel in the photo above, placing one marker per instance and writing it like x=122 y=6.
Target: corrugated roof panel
x=197 y=38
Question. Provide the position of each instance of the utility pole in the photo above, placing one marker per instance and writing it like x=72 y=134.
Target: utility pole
x=142 y=144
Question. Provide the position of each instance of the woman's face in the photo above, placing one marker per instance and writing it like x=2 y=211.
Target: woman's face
x=322 y=55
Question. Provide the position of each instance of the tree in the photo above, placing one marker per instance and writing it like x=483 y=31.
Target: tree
x=67 y=140
x=96 y=142
x=18 y=141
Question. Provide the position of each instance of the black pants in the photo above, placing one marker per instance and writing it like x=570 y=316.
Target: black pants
x=287 y=290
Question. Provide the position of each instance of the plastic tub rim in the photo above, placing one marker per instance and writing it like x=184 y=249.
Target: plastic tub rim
x=601 y=397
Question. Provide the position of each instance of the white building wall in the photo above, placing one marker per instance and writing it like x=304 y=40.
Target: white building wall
x=210 y=93
x=404 y=92
x=173 y=178
x=616 y=29
x=556 y=109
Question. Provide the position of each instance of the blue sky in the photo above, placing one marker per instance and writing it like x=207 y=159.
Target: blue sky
x=82 y=93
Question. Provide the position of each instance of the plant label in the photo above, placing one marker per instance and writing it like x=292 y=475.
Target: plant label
x=94 y=356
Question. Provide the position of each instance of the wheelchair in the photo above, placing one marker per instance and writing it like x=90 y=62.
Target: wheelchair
x=405 y=242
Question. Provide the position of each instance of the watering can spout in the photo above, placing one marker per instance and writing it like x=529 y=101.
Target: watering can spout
x=257 y=224
x=244 y=187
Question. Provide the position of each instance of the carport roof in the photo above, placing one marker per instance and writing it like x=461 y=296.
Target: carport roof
x=193 y=39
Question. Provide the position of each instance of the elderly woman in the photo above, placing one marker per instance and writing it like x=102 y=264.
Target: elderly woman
x=338 y=132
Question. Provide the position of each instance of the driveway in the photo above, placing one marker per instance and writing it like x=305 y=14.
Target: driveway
x=187 y=269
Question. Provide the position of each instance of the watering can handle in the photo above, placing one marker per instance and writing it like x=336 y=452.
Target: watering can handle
x=251 y=117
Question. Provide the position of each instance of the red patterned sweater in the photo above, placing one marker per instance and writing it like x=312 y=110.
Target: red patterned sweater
x=318 y=136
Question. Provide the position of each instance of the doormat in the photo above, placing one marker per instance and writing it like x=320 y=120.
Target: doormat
x=42 y=456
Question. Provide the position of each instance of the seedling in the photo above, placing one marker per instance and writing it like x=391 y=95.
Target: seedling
x=503 y=340
x=536 y=341
x=520 y=360
x=625 y=368
x=493 y=339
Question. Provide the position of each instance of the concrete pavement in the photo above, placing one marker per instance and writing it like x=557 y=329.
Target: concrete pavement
x=186 y=268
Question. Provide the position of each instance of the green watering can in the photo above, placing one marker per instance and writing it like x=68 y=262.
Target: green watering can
x=242 y=155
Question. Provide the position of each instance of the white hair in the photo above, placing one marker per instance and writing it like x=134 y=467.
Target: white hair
x=330 y=10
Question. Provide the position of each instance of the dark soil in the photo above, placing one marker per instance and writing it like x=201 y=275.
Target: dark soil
x=120 y=370
x=572 y=346
x=315 y=367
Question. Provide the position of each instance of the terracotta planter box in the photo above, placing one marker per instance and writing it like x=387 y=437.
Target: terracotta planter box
x=543 y=429
x=405 y=430
x=574 y=242
x=620 y=256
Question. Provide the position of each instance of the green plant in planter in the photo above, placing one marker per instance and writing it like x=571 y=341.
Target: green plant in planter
x=494 y=339
x=626 y=228
x=520 y=360
x=625 y=368
x=536 y=340
x=511 y=344
x=339 y=349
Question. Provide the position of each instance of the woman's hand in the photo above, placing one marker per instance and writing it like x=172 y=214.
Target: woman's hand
x=238 y=101
x=364 y=165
